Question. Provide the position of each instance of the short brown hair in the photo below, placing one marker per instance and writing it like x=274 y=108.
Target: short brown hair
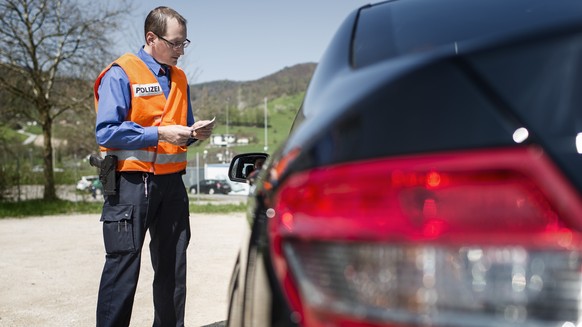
x=157 y=18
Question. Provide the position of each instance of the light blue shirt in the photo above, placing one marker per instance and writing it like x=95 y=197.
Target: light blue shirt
x=111 y=128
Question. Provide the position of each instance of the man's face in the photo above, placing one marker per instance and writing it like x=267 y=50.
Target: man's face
x=163 y=51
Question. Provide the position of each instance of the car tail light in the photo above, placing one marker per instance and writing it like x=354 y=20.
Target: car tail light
x=487 y=238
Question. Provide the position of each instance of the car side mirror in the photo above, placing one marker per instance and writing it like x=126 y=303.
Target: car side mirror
x=242 y=165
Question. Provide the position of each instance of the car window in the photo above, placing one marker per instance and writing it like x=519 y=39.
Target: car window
x=402 y=27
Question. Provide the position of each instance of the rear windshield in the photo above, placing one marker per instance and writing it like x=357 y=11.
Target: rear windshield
x=400 y=27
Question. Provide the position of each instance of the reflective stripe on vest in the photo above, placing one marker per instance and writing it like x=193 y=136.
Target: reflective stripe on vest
x=146 y=156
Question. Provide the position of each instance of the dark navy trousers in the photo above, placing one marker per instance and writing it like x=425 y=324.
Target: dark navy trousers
x=158 y=203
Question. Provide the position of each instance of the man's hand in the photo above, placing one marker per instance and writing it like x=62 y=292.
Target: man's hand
x=202 y=129
x=174 y=134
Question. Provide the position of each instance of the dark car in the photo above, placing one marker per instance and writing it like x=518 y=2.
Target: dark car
x=432 y=176
x=211 y=186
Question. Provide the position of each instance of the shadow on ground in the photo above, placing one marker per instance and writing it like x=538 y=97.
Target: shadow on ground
x=216 y=324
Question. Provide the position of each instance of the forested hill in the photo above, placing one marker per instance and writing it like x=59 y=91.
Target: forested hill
x=216 y=96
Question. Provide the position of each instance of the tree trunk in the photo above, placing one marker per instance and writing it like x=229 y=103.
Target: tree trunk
x=47 y=155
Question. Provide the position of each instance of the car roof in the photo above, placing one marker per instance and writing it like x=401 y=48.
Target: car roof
x=504 y=20
x=412 y=26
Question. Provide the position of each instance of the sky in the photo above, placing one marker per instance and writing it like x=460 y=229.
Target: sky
x=245 y=40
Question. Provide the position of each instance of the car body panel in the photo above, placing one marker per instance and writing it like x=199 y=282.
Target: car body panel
x=438 y=102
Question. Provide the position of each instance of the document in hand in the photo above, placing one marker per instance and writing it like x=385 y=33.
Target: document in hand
x=206 y=124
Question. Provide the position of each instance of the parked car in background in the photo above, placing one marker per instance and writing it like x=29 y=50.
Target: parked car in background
x=40 y=169
x=211 y=186
x=432 y=176
x=85 y=183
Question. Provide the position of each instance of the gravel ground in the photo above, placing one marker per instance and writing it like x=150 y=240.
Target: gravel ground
x=50 y=268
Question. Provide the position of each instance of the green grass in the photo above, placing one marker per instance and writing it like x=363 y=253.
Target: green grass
x=217 y=208
x=32 y=208
x=46 y=208
x=11 y=135
x=281 y=112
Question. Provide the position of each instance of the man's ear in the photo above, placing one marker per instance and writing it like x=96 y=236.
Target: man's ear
x=150 y=37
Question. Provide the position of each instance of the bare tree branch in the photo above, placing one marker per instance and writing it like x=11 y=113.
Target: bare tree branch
x=49 y=43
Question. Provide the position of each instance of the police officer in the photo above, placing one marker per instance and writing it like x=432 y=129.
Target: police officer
x=144 y=117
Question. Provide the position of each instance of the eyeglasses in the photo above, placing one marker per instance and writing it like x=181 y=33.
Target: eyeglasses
x=176 y=46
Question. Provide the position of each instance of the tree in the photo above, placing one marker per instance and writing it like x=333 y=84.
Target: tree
x=47 y=43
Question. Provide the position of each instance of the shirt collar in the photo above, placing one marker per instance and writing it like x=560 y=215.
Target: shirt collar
x=152 y=64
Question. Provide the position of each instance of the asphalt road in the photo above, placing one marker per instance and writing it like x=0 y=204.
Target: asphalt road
x=50 y=268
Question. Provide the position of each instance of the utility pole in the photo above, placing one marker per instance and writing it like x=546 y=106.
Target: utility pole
x=198 y=176
x=227 y=104
x=266 y=141
x=227 y=136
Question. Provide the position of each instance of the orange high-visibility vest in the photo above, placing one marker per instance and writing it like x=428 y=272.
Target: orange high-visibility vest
x=149 y=107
